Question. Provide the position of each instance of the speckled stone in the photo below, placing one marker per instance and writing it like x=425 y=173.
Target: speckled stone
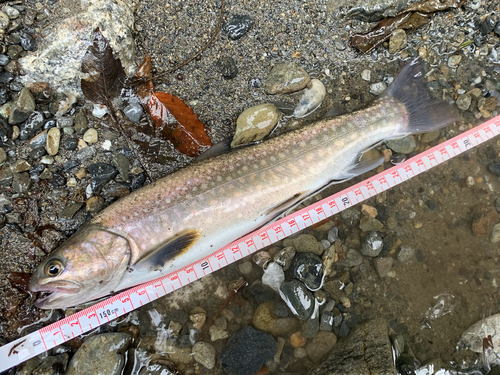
x=285 y=78
x=204 y=354
x=255 y=123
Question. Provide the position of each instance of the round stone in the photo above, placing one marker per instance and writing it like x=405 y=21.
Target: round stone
x=53 y=141
x=285 y=78
x=311 y=98
x=372 y=244
x=255 y=123
x=397 y=41
x=90 y=136
x=204 y=354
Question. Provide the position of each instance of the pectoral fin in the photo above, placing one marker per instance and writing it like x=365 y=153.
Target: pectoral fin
x=284 y=206
x=170 y=249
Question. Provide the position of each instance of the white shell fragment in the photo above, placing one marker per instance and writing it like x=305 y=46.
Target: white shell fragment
x=311 y=98
x=474 y=335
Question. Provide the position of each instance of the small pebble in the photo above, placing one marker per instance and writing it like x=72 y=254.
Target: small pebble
x=378 y=88
x=53 y=141
x=372 y=244
x=255 y=123
x=366 y=75
x=454 y=60
x=495 y=233
x=397 y=41
x=238 y=26
x=90 y=136
x=405 y=253
x=311 y=98
x=245 y=267
x=286 y=78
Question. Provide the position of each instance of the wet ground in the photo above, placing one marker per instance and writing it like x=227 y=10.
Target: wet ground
x=444 y=215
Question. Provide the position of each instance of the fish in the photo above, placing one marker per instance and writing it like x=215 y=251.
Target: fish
x=197 y=210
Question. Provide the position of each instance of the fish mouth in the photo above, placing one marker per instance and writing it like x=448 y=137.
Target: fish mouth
x=48 y=293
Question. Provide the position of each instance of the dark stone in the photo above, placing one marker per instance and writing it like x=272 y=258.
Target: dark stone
x=101 y=174
x=50 y=124
x=298 y=298
x=85 y=153
x=4 y=95
x=238 y=26
x=308 y=268
x=80 y=122
x=22 y=108
x=21 y=182
x=70 y=210
x=5 y=132
x=367 y=350
x=247 y=351
x=497 y=29
x=16 y=86
x=138 y=181
x=123 y=165
x=495 y=169
x=487 y=26
x=4 y=59
x=69 y=143
x=32 y=125
x=115 y=190
x=40 y=140
x=227 y=67
x=337 y=317
x=262 y=293
x=27 y=42
x=344 y=330
x=6 y=77
x=69 y=165
x=36 y=171
x=255 y=83
x=372 y=244
x=38 y=152
x=432 y=204
x=58 y=180
x=281 y=310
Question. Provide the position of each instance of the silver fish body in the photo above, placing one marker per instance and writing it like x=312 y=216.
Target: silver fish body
x=199 y=209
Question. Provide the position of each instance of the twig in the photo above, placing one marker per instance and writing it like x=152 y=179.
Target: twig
x=202 y=49
x=235 y=291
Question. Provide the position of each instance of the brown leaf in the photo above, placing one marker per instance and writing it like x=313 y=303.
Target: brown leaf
x=106 y=76
x=143 y=80
x=178 y=123
x=19 y=280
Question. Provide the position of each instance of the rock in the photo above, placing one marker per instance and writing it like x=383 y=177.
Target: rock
x=383 y=266
x=95 y=204
x=101 y=174
x=273 y=276
x=69 y=143
x=372 y=244
x=61 y=50
x=20 y=165
x=284 y=257
x=487 y=104
x=378 y=88
x=27 y=42
x=80 y=122
x=204 y=354
x=4 y=21
x=6 y=132
x=326 y=321
x=367 y=350
x=52 y=364
x=39 y=140
x=247 y=351
x=299 y=300
x=304 y=243
x=3 y=156
x=495 y=233
x=101 y=354
x=311 y=98
x=23 y=107
x=261 y=258
x=53 y=140
x=5 y=176
x=245 y=268
x=227 y=67
x=12 y=12
x=285 y=78
x=321 y=344
x=344 y=330
x=339 y=44
x=238 y=26
x=255 y=123
x=264 y=318
x=122 y=164
x=397 y=41
x=366 y=75
x=133 y=111
x=308 y=268
x=198 y=320
x=217 y=333
x=405 y=253
x=368 y=224
x=495 y=169
x=32 y=125
x=281 y=310
x=353 y=258
x=487 y=25
x=483 y=220
x=454 y=60
x=21 y=182
x=369 y=210
x=90 y=136
x=70 y=210
x=403 y=145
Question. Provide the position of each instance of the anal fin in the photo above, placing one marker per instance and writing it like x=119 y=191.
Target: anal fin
x=175 y=246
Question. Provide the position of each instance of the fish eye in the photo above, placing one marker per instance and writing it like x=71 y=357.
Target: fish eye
x=54 y=268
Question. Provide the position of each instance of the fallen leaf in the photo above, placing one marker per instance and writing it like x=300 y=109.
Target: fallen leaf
x=105 y=75
x=143 y=80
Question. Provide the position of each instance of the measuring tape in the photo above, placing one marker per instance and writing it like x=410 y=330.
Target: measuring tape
x=103 y=312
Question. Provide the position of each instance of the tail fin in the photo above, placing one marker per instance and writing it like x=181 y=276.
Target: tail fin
x=426 y=114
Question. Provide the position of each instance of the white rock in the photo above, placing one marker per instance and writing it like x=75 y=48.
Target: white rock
x=378 y=88
x=473 y=336
x=273 y=276
x=366 y=75
x=311 y=98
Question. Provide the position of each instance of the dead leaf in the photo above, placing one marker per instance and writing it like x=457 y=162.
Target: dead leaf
x=106 y=76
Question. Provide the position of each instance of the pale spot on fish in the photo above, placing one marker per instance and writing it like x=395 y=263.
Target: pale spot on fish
x=302 y=144
x=273 y=158
x=219 y=178
x=204 y=186
x=244 y=168
x=263 y=163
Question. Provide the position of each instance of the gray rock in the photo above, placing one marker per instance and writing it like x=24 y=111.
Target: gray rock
x=298 y=298
x=337 y=317
x=5 y=176
x=310 y=327
x=65 y=122
x=321 y=344
x=285 y=78
x=122 y=164
x=371 y=10
x=495 y=233
x=308 y=268
x=85 y=153
x=333 y=234
x=4 y=21
x=39 y=140
x=21 y=182
x=101 y=174
x=281 y=310
x=52 y=365
x=378 y=88
x=339 y=44
x=247 y=351
x=227 y=67
x=326 y=321
x=397 y=41
x=100 y=354
x=463 y=102
x=80 y=122
x=405 y=253
x=350 y=217
x=372 y=244
x=383 y=266
x=367 y=350
x=353 y=258
x=311 y=98
x=6 y=132
x=495 y=169
x=403 y=145
x=69 y=143
x=12 y=12
x=53 y=141
x=238 y=26
x=305 y=243
x=284 y=257
x=133 y=111
x=454 y=60
x=70 y=210
x=204 y=354
x=255 y=123
x=23 y=107
x=3 y=156
x=31 y=126
x=245 y=268
x=368 y=224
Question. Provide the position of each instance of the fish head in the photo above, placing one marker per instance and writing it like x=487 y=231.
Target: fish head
x=87 y=266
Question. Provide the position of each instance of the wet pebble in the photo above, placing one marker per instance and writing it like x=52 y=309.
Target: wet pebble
x=255 y=123
x=39 y=140
x=31 y=126
x=344 y=330
x=238 y=26
x=12 y=12
x=6 y=77
x=308 y=268
x=217 y=333
x=101 y=354
x=4 y=95
x=69 y=143
x=311 y=98
x=372 y=244
x=378 y=88
x=23 y=107
x=285 y=78
x=245 y=268
x=463 y=102
x=70 y=210
x=305 y=243
x=326 y=321
x=383 y=266
x=5 y=176
x=85 y=153
x=487 y=104
x=27 y=42
x=20 y=165
x=95 y=204
x=101 y=174
x=133 y=111
x=53 y=141
x=54 y=364
x=284 y=257
x=495 y=233
x=227 y=67
x=454 y=60
x=298 y=298
x=273 y=276
x=281 y=310
x=204 y=354
x=123 y=165
x=6 y=132
x=310 y=327
x=320 y=344
x=21 y=182
x=405 y=253
x=366 y=75
x=397 y=41
x=80 y=122
x=487 y=25
x=198 y=320
x=339 y=44
x=367 y=224
x=247 y=351
x=261 y=258
x=4 y=21
x=333 y=234
x=90 y=136
x=3 y=156
x=403 y=145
